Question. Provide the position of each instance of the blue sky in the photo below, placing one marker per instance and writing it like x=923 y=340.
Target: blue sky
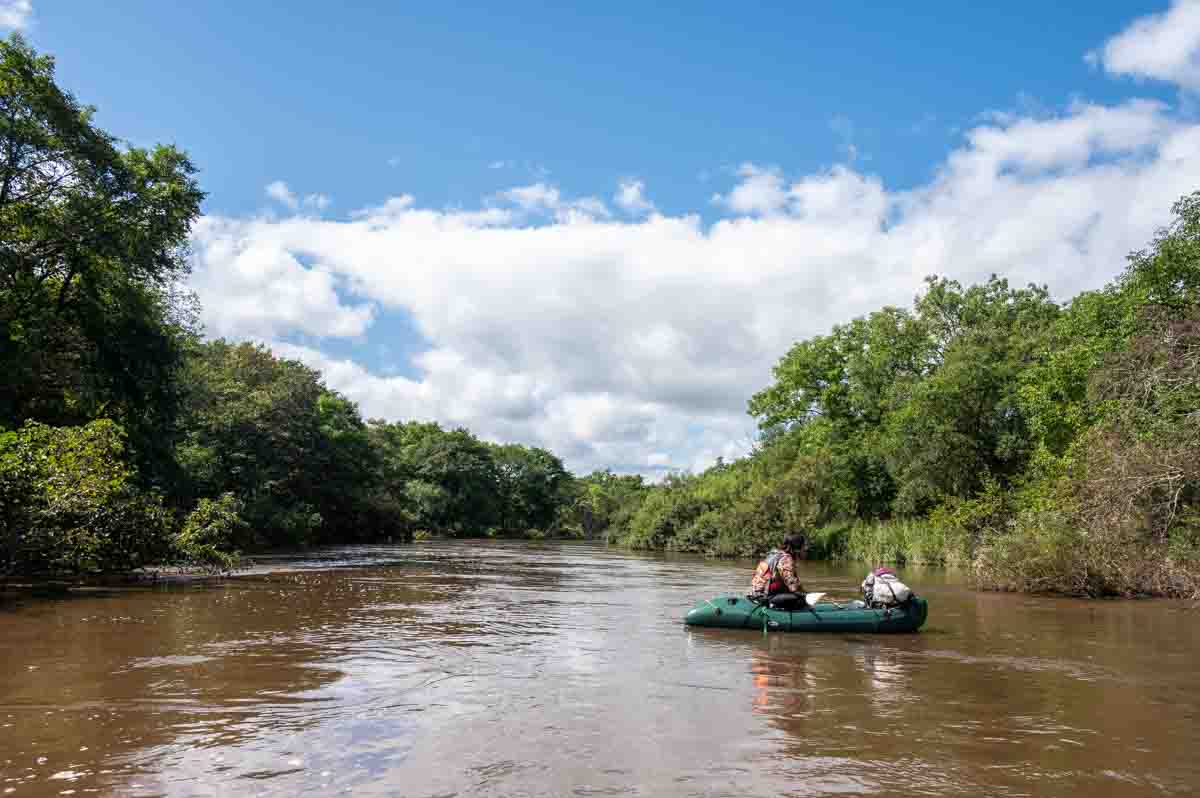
x=325 y=95
x=595 y=230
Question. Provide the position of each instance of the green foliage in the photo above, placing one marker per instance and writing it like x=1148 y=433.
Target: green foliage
x=600 y=504
x=663 y=514
x=1053 y=389
x=1166 y=275
x=295 y=454
x=446 y=481
x=1124 y=494
x=832 y=541
x=849 y=378
x=208 y=536
x=962 y=423
x=69 y=504
x=92 y=238
x=531 y=483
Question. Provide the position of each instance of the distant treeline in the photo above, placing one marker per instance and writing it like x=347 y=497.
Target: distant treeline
x=1046 y=446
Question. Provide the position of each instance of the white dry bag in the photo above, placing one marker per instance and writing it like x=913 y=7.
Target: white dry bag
x=882 y=588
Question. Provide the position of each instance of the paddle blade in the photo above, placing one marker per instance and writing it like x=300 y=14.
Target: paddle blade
x=813 y=598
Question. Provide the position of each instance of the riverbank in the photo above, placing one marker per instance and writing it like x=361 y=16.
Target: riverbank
x=58 y=585
x=1032 y=558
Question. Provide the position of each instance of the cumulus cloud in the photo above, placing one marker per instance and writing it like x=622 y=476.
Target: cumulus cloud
x=760 y=191
x=15 y=14
x=541 y=198
x=258 y=289
x=764 y=192
x=281 y=193
x=634 y=343
x=631 y=197
x=535 y=197
x=1162 y=46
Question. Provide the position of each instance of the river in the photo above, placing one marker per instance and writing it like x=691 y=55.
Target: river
x=523 y=669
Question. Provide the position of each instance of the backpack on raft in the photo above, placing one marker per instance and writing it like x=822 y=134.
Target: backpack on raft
x=882 y=588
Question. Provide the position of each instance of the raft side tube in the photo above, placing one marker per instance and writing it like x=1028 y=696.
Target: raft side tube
x=737 y=612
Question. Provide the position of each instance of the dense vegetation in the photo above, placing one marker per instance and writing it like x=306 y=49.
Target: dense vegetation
x=1047 y=446
x=127 y=440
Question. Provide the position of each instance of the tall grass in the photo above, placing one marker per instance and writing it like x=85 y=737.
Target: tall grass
x=899 y=541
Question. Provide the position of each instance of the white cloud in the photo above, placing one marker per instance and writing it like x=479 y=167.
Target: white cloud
x=1162 y=46
x=534 y=197
x=280 y=192
x=764 y=192
x=635 y=343
x=760 y=191
x=15 y=14
x=631 y=197
x=283 y=194
x=257 y=288
x=544 y=199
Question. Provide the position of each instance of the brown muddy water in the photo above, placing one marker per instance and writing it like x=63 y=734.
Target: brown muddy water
x=513 y=669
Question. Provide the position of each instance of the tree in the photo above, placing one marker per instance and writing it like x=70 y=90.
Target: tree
x=963 y=422
x=531 y=483
x=295 y=454
x=1167 y=274
x=447 y=479
x=92 y=243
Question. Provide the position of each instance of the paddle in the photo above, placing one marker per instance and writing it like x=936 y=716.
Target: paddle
x=812 y=598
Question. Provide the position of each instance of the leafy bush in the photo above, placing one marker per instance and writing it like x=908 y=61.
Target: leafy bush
x=663 y=515
x=701 y=535
x=831 y=541
x=209 y=533
x=69 y=504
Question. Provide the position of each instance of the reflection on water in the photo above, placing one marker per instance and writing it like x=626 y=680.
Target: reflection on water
x=525 y=669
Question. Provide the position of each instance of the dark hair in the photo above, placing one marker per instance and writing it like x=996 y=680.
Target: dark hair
x=795 y=542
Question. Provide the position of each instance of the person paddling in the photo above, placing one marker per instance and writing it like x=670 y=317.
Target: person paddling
x=775 y=578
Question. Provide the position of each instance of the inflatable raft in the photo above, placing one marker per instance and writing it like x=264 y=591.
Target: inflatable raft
x=739 y=612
